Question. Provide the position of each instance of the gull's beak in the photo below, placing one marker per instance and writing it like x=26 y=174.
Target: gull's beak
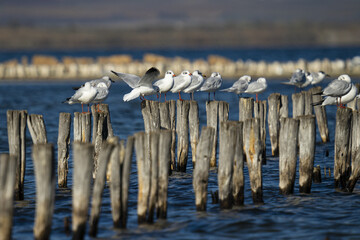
x=204 y=75
x=190 y=74
x=174 y=75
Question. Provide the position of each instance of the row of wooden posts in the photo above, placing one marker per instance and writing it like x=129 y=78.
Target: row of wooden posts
x=239 y=142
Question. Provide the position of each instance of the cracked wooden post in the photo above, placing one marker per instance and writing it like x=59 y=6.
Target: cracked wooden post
x=194 y=128
x=289 y=133
x=246 y=108
x=308 y=103
x=223 y=111
x=284 y=107
x=253 y=152
x=154 y=172
x=7 y=183
x=151 y=115
x=201 y=170
x=342 y=147
x=320 y=114
x=172 y=111
x=82 y=127
x=16 y=126
x=36 y=126
x=260 y=109
x=104 y=109
x=238 y=180
x=298 y=103
x=63 y=148
x=83 y=165
x=212 y=112
x=355 y=152
x=182 y=130
x=43 y=158
x=306 y=152
x=274 y=101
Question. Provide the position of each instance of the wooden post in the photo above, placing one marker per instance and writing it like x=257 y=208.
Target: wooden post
x=7 y=184
x=212 y=112
x=274 y=101
x=253 y=151
x=99 y=184
x=163 y=175
x=308 y=107
x=16 y=126
x=43 y=158
x=172 y=110
x=298 y=102
x=317 y=174
x=289 y=128
x=154 y=170
x=320 y=114
x=83 y=165
x=246 y=108
x=238 y=172
x=342 y=147
x=182 y=130
x=355 y=152
x=227 y=150
x=37 y=128
x=63 y=148
x=260 y=112
x=82 y=130
x=306 y=152
x=194 y=128
x=151 y=114
x=201 y=170
x=223 y=111
x=104 y=109
x=284 y=107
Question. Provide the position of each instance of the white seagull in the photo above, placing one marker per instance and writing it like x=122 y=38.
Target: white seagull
x=165 y=84
x=103 y=92
x=105 y=79
x=257 y=87
x=318 y=77
x=344 y=99
x=197 y=79
x=83 y=95
x=212 y=83
x=338 y=87
x=181 y=82
x=239 y=86
x=141 y=86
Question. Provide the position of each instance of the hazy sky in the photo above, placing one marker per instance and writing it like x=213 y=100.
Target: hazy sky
x=140 y=12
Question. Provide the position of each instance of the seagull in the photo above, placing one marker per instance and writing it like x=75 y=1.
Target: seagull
x=106 y=80
x=344 y=99
x=338 y=87
x=83 y=95
x=257 y=87
x=181 y=82
x=212 y=83
x=103 y=92
x=239 y=86
x=165 y=84
x=318 y=77
x=197 y=80
x=297 y=79
x=141 y=86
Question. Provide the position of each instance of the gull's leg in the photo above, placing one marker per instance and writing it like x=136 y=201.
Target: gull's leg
x=214 y=96
x=180 y=97
x=257 y=100
x=82 y=108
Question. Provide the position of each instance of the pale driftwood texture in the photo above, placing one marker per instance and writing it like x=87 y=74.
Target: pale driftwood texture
x=154 y=172
x=7 y=183
x=260 y=109
x=164 y=111
x=144 y=176
x=63 y=148
x=355 y=152
x=16 y=126
x=317 y=174
x=82 y=127
x=223 y=111
x=342 y=147
x=83 y=165
x=306 y=152
x=99 y=184
x=212 y=112
x=308 y=103
x=253 y=152
x=284 y=108
x=43 y=158
x=201 y=170
x=238 y=180
x=298 y=103
x=104 y=109
x=289 y=128
x=246 y=108
x=227 y=150
x=182 y=130
x=36 y=126
x=320 y=114
x=194 y=128
x=274 y=101
x=172 y=110
x=151 y=115
x=163 y=174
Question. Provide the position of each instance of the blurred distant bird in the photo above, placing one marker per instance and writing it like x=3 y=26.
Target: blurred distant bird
x=142 y=86
x=181 y=82
x=197 y=79
x=106 y=80
x=239 y=86
x=83 y=95
x=165 y=84
x=257 y=87
x=298 y=78
x=212 y=84
x=318 y=77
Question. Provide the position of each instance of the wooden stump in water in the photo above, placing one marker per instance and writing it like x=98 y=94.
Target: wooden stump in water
x=16 y=126
x=7 y=184
x=298 y=102
x=212 y=112
x=342 y=147
x=253 y=152
x=246 y=108
x=151 y=114
x=320 y=114
x=284 y=107
x=274 y=101
x=223 y=111
x=306 y=152
x=82 y=127
x=43 y=158
x=83 y=165
x=182 y=130
x=317 y=174
x=260 y=109
x=63 y=148
x=194 y=128
x=238 y=180
x=201 y=170
x=37 y=128
x=308 y=103
x=172 y=110
x=355 y=152
x=289 y=128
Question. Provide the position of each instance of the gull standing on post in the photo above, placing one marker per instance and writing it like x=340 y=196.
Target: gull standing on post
x=257 y=87
x=318 y=77
x=141 y=86
x=344 y=99
x=165 y=84
x=338 y=87
x=197 y=80
x=212 y=83
x=103 y=92
x=106 y=80
x=83 y=95
x=239 y=86
x=181 y=82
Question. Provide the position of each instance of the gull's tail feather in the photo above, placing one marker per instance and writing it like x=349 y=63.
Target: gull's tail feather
x=131 y=95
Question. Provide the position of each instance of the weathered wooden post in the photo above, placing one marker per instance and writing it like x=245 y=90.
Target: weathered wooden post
x=223 y=111
x=194 y=128
x=182 y=130
x=37 y=128
x=298 y=102
x=201 y=170
x=212 y=112
x=172 y=110
x=63 y=148
x=274 y=101
x=151 y=114
x=342 y=147
x=317 y=174
x=260 y=109
x=320 y=114
x=82 y=127
x=154 y=172
x=355 y=152
x=289 y=128
x=308 y=103
x=253 y=152
x=306 y=152
x=284 y=108
x=238 y=180
x=7 y=184
x=83 y=165
x=43 y=158
x=16 y=126
x=246 y=108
